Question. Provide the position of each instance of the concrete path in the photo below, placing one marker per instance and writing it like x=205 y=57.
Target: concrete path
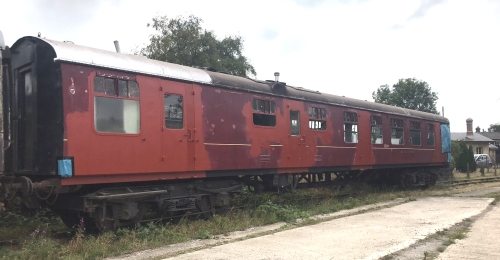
x=365 y=236
x=482 y=241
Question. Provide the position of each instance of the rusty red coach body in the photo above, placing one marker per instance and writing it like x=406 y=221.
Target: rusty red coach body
x=120 y=118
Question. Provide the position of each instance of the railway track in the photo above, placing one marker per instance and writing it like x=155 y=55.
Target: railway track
x=67 y=235
x=471 y=181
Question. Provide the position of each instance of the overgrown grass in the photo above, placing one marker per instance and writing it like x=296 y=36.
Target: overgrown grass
x=272 y=208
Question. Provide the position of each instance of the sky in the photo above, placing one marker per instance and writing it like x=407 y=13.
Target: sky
x=340 y=47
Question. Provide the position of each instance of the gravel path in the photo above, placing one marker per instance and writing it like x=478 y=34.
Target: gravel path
x=482 y=241
x=366 y=236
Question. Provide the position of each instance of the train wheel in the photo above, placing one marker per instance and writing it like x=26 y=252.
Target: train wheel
x=405 y=181
x=70 y=218
x=204 y=206
x=103 y=219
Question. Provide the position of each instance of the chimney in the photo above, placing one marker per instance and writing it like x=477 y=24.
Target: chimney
x=470 y=134
x=478 y=129
x=2 y=41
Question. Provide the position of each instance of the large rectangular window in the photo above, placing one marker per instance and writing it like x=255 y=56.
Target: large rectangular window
x=397 y=131
x=174 y=118
x=376 y=122
x=264 y=112
x=414 y=133
x=350 y=127
x=294 y=123
x=317 y=118
x=430 y=134
x=116 y=106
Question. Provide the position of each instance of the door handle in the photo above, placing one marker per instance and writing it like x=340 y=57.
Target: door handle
x=190 y=135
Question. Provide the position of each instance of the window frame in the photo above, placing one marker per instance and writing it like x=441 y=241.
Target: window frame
x=271 y=113
x=319 y=117
x=433 y=131
x=413 y=128
x=95 y=94
x=298 y=122
x=396 y=126
x=373 y=124
x=164 y=114
x=352 y=123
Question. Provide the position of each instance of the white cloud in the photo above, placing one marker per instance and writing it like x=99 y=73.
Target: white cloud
x=341 y=47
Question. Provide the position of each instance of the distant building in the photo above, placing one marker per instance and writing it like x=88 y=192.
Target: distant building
x=480 y=143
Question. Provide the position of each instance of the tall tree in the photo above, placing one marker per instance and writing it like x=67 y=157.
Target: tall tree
x=494 y=128
x=408 y=93
x=183 y=41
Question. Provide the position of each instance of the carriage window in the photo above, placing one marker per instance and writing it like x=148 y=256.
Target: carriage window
x=173 y=111
x=294 y=123
x=317 y=118
x=350 y=127
x=264 y=112
x=430 y=134
x=99 y=85
x=414 y=133
x=114 y=110
x=376 y=122
x=397 y=131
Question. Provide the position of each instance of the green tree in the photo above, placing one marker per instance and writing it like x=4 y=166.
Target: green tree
x=494 y=128
x=408 y=93
x=183 y=41
x=463 y=155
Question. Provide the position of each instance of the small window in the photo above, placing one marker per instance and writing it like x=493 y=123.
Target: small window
x=414 y=133
x=133 y=89
x=430 y=134
x=397 y=131
x=350 y=127
x=264 y=112
x=174 y=118
x=317 y=118
x=122 y=88
x=294 y=123
x=114 y=111
x=376 y=122
x=110 y=87
x=479 y=150
x=99 y=85
x=116 y=87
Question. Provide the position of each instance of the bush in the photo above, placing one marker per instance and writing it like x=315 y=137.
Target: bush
x=464 y=157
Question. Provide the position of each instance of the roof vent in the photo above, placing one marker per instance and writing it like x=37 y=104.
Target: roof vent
x=2 y=41
x=117 y=46
x=276 y=76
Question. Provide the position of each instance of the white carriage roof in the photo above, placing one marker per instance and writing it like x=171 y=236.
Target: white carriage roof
x=70 y=52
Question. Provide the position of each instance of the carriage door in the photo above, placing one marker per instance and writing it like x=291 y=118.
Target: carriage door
x=296 y=140
x=178 y=131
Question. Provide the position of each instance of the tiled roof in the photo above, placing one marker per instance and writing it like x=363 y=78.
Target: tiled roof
x=477 y=137
x=494 y=136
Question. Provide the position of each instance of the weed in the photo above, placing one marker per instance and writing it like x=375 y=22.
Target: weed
x=204 y=234
x=273 y=208
x=274 y=213
x=448 y=242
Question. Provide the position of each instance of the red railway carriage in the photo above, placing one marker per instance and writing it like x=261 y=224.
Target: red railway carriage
x=111 y=135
